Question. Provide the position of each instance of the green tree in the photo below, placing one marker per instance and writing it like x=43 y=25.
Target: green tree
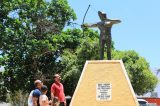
x=27 y=47
x=141 y=77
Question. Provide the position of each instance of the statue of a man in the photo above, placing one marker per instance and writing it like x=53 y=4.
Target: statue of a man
x=104 y=26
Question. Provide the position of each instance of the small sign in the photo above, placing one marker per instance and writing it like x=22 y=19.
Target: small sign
x=103 y=92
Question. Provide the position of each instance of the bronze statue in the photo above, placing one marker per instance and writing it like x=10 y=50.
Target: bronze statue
x=104 y=26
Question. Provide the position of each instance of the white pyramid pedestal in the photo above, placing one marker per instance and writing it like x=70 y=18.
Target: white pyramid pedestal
x=104 y=83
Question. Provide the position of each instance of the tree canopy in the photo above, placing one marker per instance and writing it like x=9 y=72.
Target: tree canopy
x=141 y=77
x=27 y=47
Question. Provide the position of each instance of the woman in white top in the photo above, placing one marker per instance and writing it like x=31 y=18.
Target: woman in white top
x=43 y=99
x=30 y=102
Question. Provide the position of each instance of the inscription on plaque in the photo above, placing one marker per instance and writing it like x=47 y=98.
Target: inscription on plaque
x=103 y=91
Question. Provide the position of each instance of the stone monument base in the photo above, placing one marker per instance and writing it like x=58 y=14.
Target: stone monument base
x=104 y=83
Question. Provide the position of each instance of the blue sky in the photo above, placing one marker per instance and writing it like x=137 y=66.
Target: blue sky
x=140 y=27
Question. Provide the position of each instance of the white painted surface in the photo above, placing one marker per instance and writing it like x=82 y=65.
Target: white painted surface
x=4 y=104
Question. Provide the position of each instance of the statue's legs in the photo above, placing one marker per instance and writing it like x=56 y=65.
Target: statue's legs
x=102 y=42
x=109 y=46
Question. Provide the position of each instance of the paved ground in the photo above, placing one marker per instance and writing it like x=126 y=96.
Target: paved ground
x=4 y=104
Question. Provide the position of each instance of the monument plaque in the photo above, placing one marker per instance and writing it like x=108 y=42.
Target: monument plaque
x=103 y=92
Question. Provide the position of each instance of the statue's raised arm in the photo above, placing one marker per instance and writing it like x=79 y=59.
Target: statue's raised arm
x=89 y=25
x=102 y=16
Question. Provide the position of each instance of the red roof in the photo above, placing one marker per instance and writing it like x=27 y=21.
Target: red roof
x=152 y=100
